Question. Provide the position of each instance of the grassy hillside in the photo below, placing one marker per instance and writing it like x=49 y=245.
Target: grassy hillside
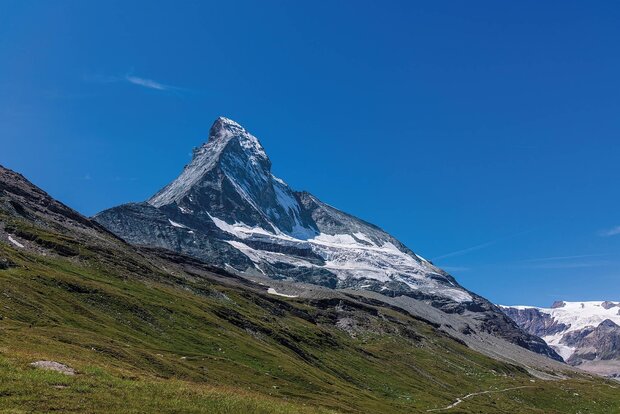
x=154 y=332
x=142 y=338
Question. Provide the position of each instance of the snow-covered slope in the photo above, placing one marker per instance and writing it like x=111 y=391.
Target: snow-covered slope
x=578 y=331
x=228 y=209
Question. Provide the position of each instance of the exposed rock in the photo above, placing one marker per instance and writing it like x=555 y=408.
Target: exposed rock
x=54 y=366
x=6 y=263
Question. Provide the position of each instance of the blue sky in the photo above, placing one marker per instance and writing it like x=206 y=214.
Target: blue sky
x=482 y=134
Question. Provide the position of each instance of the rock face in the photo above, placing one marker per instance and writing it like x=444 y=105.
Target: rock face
x=585 y=334
x=228 y=209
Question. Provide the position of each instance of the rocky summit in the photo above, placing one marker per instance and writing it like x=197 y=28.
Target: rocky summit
x=227 y=208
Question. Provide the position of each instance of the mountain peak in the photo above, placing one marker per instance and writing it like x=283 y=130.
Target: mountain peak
x=223 y=121
x=228 y=143
x=225 y=128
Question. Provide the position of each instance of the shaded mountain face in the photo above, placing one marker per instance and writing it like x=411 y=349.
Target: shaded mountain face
x=228 y=209
x=585 y=334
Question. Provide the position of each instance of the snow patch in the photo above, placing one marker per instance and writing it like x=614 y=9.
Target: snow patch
x=272 y=291
x=363 y=237
x=15 y=242
x=175 y=224
x=421 y=258
x=240 y=230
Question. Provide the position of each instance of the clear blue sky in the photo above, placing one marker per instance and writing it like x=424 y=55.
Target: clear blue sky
x=483 y=134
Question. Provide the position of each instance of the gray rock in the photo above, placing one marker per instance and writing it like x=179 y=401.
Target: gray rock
x=53 y=366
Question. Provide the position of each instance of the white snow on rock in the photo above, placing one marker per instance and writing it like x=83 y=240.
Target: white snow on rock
x=175 y=224
x=272 y=291
x=363 y=237
x=580 y=315
x=242 y=230
x=15 y=242
x=347 y=258
x=576 y=316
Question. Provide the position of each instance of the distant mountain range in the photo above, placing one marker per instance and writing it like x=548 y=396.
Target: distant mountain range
x=585 y=334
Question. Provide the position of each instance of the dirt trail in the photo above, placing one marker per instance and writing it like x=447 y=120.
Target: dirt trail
x=473 y=394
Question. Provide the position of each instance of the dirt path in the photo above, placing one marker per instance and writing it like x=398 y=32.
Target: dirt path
x=473 y=394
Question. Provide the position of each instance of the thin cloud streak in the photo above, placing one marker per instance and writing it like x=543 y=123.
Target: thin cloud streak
x=560 y=258
x=134 y=80
x=568 y=265
x=565 y=262
x=464 y=251
x=614 y=231
x=479 y=246
x=148 y=83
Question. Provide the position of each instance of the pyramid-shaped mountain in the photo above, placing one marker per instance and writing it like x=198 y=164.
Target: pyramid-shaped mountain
x=228 y=209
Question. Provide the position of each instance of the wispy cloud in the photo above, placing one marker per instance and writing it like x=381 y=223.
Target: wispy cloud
x=568 y=265
x=466 y=250
x=561 y=258
x=565 y=262
x=614 y=231
x=148 y=83
x=134 y=80
x=479 y=246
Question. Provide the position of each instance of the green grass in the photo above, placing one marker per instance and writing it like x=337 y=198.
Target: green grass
x=95 y=390
x=149 y=336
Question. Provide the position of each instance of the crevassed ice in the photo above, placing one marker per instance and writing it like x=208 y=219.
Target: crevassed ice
x=346 y=257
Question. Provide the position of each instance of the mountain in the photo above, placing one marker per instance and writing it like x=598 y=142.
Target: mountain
x=134 y=329
x=228 y=209
x=149 y=330
x=585 y=334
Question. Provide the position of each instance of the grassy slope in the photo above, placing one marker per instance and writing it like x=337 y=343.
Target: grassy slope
x=147 y=339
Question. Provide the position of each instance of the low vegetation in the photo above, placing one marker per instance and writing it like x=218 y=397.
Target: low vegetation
x=145 y=334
